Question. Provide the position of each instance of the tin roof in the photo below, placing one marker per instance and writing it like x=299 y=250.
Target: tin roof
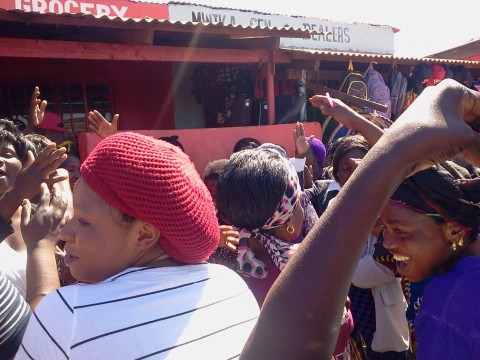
x=157 y=24
x=264 y=13
x=365 y=57
x=465 y=51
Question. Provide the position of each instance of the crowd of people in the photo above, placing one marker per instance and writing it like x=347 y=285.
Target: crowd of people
x=131 y=254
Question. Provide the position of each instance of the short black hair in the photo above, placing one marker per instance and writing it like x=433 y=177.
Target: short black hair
x=250 y=188
x=9 y=133
x=246 y=143
x=174 y=141
x=214 y=169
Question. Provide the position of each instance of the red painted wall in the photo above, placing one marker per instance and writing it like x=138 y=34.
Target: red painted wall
x=204 y=145
x=141 y=90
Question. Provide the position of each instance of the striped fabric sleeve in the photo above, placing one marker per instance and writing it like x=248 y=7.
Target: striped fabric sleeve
x=49 y=330
x=14 y=315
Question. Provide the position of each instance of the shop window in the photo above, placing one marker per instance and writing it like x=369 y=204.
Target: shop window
x=72 y=102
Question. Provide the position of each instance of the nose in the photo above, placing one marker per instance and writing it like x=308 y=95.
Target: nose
x=66 y=232
x=76 y=174
x=388 y=242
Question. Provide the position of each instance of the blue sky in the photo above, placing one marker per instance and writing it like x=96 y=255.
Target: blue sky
x=426 y=26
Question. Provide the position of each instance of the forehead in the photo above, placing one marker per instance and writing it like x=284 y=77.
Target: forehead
x=85 y=198
x=354 y=153
x=393 y=213
x=6 y=145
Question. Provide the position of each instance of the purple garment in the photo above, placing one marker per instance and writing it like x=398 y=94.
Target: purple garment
x=318 y=150
x=448 y=323
x=310 y=217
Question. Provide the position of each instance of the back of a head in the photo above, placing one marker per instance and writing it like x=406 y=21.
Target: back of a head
x=155 y=181
x=246 y=143
x=40 y=142
x=9 y=133
x=250 y=187
x=173 y=140
x=214 y=169
x=344 y=146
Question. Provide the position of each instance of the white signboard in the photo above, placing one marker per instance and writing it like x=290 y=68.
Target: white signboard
x=365 y=38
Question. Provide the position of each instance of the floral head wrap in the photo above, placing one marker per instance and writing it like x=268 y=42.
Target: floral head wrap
x=279 y=250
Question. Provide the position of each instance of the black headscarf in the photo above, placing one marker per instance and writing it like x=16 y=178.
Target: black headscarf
x=447 y=193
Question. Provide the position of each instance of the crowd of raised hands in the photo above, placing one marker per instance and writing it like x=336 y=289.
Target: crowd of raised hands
x=300 y=317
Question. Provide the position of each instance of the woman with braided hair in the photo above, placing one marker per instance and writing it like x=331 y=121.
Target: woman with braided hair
x=437 y=235
x=431 y=225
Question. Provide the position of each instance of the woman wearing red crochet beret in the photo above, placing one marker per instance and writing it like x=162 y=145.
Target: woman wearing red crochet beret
x=143 y=225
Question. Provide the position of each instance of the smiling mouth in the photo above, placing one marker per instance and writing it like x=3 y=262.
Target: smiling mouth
x=401 y=257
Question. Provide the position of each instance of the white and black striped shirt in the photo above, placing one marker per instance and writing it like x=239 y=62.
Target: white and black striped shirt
x=203 y=311
x=14 y=314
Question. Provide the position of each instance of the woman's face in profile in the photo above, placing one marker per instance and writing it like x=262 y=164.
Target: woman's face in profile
x=417 y=242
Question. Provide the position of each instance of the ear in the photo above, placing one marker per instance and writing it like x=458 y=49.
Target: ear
x=147 y=236
x=454 y=233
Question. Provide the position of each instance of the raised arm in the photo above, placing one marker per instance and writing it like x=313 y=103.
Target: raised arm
x=347 y=116
x=40 y=233
x=434 y=128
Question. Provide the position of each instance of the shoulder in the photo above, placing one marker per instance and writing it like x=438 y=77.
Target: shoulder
x=319 y=187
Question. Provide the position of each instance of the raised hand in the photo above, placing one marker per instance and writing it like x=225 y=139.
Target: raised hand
x=302 y=143
x=37 y=108
x=44 y=223
x=442 y=122
x=228 y=238
x=39 y=170
x=100 y=126
x=348 y=117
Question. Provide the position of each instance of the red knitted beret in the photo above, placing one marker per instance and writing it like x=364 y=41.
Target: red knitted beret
x=155 y=181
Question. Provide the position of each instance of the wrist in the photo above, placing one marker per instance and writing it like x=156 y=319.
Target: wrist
x=45 y=244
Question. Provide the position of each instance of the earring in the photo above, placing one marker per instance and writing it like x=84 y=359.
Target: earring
x=290 y=229
x=459 y=243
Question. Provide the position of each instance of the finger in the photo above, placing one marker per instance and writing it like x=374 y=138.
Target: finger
x=44 y=195
x=93 y=128
x=115 y=120
x=56 y=178
x=45 y=152
x=26 y=212
x=92 y=117
x=233 y=240
x=99 y=116
x=30 y=159
x=43 y=106
x=231 y=247
x=35 y=93
x=58 y=161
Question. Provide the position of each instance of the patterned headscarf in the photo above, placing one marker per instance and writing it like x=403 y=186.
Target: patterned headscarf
x=438 y=192
x=279 y=250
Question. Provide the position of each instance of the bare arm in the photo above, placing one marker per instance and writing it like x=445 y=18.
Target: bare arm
x=350 y=118
x=431 y=130
x=40 y=233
